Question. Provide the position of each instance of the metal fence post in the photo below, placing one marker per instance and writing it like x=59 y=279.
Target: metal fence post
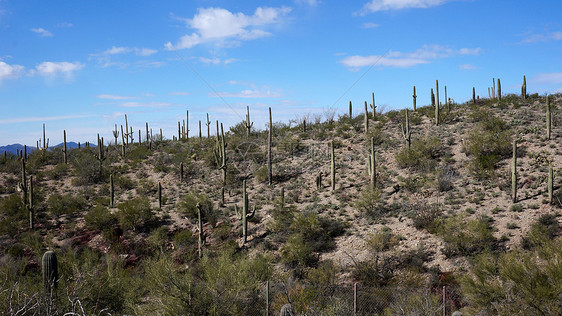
x=354 y=298
x=444 y=307
x=267 y=298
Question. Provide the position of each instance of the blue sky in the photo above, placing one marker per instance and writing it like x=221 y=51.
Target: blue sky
x=82 y=65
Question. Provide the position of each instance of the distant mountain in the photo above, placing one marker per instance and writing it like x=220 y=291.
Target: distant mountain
x=13 y=149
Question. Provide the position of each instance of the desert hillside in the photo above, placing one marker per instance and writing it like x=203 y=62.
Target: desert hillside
x=160 y=226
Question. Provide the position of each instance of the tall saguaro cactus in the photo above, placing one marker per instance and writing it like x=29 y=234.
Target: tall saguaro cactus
x=332 y=165
x=548 y=118
x=406 y=133
x=350 y=110
x=374 y=107
x=550 y=188
x=499 y=90
x=248 y=124
x=64 y=152
x=414 y=96
x=220 y=154
x=366 y=120
x=473 y=95
x=372 y=166
x=208 y=123
x=514 y=173
x=245 y=216
x=100 y=156
x=49 y=269
x=269 y=166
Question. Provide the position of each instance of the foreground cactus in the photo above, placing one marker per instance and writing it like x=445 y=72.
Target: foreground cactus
x=50 y=271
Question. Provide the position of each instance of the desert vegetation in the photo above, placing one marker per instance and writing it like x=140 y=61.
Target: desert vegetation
x=465 y=196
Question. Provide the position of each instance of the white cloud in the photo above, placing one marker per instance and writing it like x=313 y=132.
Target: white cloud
x=547 y=78
x=179 y=93
x=397 y=59
x=387 y=5
x=311 y=3
x=10 y=71
x=467 y=67
x=42 y=118
x=544 y=37
x=114 y=97
x=369 y=25
x=145 y=104
x=216 y=60
x=42 y=32
x=145 y=51
x=248 y=94
x=217 y=24
x=116 y=50
x=49 y=68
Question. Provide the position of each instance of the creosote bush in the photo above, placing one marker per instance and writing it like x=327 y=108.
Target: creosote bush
x=422 y=155
x=66 y=204
x=466 y=237
x=134 y=214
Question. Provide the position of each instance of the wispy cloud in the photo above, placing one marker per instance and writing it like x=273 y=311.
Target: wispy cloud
x=388 y=5
x=51 y=69
x=248 y=94
x=547 y=78
x=179 y=93
x=218 y=25
x=43 y=118
x=467 y=67
x=369 y=25
x=397 y=59
x=10 y=71
x=116 y=50
x=311 y=3
x=42 y=32
x=114 y=97
x=216 y=60
x=153 y=104
x=106 y=58
x=543 y=37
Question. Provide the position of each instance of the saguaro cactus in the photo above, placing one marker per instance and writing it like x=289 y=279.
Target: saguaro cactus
x=372 y=166
x=100 y=156
x=432 y=97
x=366 y=120
x=333 y=165
x=64 y=147
x=116 y=134
x=514 y=173
x=248 y=124
x=50 y=271
x=374 y=107
x=350 y=110
x=220 y=154
x=23 y=184
x=548 y=118
x=524 y=88
x=447 y=104
x=414 y=96
x=200 y=136
x=499 y=90
x=245 y=215
x=269 y=166
x=436 y=102
x=208 y=123
x=406 y=133
x=550 y=188
x=473 y=95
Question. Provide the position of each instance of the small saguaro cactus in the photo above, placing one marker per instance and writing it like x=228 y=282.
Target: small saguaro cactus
x=49 y=269
x=414 y=96
x=366 y=120
x=548 y=118
x=524 y=88
x=499 y=90
x=373 y=106
x=159 y=195
x=111 y=191
x=64 y=152
x=350 y=110
x=447 y=104
x=436 y=102
x=473 y=95
x=181 y=172
x=208 y=123
x=100 y=156
x=248 y=124
x=179 y=130
x=245 y=216
x=514 y=173
x=45 y=146
x=126 y=130
x=30 y=205
x=406 y=133
x=200 y=135
x=122 y=142
x=147 y=135
x=269 y=165
x=372 y=165
x=116 y=134
x=332 y=165
x=550 y=188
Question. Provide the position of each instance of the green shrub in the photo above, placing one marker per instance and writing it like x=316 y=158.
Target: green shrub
x=545 y=228
x=66 y=204
x=369 y=203
x=135 y=213
x=425 y=215
x=298 y=255
x=99 y=218
x=466 y=237
x=188 y=205
x=86 y=167
x=487 y=144
x=422 y=155
x=516 y=283
x=381 y=240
